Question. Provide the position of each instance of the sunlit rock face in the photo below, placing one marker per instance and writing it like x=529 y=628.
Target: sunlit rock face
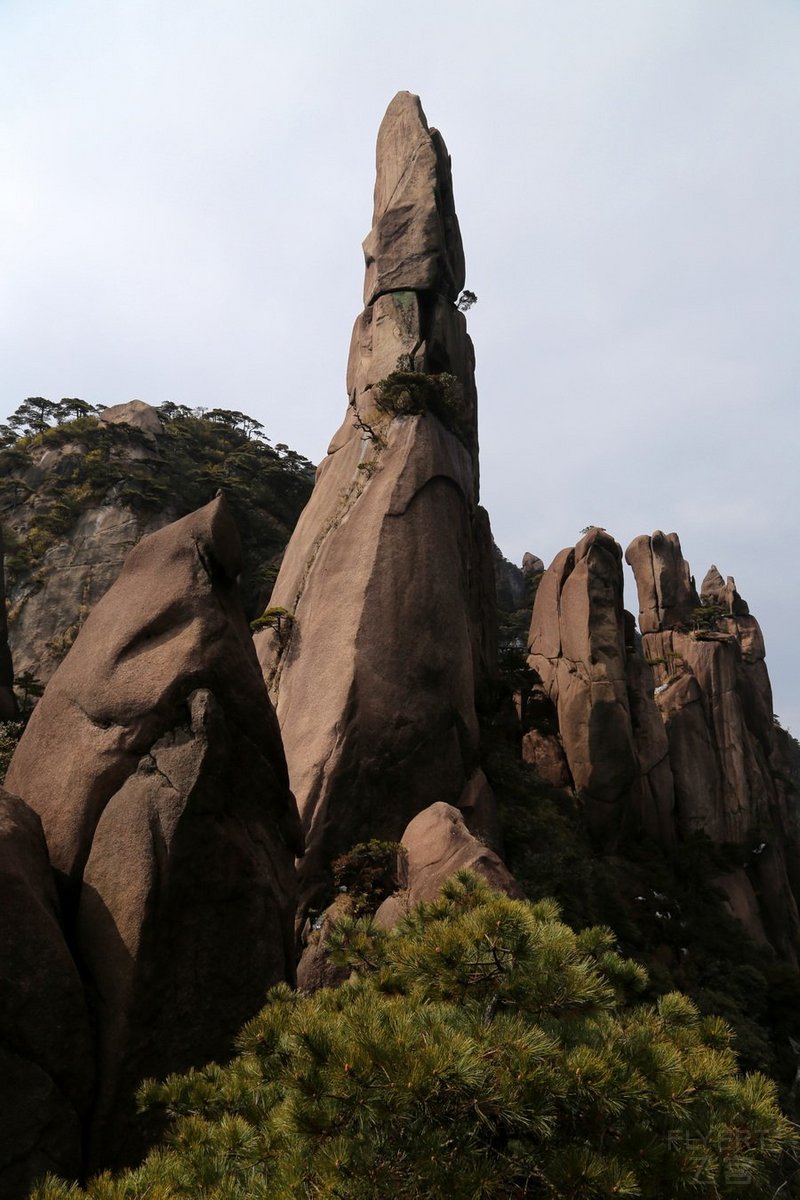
x=387 y=581
x=582 y=647
x=715 y=698
x=155 y=764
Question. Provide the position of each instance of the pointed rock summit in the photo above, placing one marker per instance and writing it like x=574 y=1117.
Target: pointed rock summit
x=415 y=242
x=386 y=588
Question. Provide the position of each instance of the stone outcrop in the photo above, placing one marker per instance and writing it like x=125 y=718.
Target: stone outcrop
x=8 y=703
x=387 y=582
x=510 y=583
x=532 y=565
x=46 y=1054
x=136 y=413
x=666 y=588
x=545 y=753
x=714 y=695
x=583 y=651
x=438 y=844
x=715 y=590
x=154 y=761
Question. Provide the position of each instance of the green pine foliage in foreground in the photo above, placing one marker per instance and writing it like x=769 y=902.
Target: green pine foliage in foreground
x=482 y=1049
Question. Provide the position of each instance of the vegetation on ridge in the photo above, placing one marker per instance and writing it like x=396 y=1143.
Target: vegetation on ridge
x=101 y=463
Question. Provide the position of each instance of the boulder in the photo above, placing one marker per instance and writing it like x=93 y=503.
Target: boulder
x=8 y=703
x=531 y=564
x=438 y=844
x=46 y=1053
x=415 y=242
x=388 y=578
x=136 y=413
x=154 y=760
x=544 y=752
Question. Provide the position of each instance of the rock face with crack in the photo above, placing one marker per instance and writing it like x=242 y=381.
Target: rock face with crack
x=154 y=761
x=715 y=699
x=387 y=581
x=46 y=1053
x=584 y=652
x=8 y=703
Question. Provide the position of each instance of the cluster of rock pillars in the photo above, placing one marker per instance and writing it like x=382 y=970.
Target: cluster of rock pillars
x=172 y=810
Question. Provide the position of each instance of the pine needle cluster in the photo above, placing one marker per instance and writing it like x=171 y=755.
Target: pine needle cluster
x=481 y=1050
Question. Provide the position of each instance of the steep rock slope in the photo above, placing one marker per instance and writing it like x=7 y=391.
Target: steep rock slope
x=387 y=585
x=154 y=761
x=729 y=768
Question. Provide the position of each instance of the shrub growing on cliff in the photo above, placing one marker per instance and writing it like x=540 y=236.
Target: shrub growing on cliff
x=482 y=1049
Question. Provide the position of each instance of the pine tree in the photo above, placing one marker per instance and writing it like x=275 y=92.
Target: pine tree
x=482 y=1050
x=34 y=415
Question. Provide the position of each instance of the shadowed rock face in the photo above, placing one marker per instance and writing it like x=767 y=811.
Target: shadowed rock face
x=388 y=576
x=8 y=703
x=608 y=724
x=715 y=699
x=46 y=1058
x=154 y=760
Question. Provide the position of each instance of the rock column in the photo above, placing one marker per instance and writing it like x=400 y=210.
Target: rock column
x=386 y=586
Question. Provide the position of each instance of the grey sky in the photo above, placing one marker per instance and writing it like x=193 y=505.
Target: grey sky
x=185 y=187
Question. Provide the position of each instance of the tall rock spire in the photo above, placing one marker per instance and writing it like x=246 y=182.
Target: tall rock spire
x=387 y=581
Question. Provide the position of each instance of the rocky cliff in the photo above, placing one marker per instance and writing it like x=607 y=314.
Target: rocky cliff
x=670 y=733
x=382 y=608
x=155 y=763
x=728 y=766
x=583 y=649
x=76 y=497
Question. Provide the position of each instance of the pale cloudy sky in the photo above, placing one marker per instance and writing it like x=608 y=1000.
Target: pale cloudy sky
x=186 y=183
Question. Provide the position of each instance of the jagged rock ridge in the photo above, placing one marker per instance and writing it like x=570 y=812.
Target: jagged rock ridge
x=582 y=648
x=674 y=736
x=387 y=581
x=714 y=694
